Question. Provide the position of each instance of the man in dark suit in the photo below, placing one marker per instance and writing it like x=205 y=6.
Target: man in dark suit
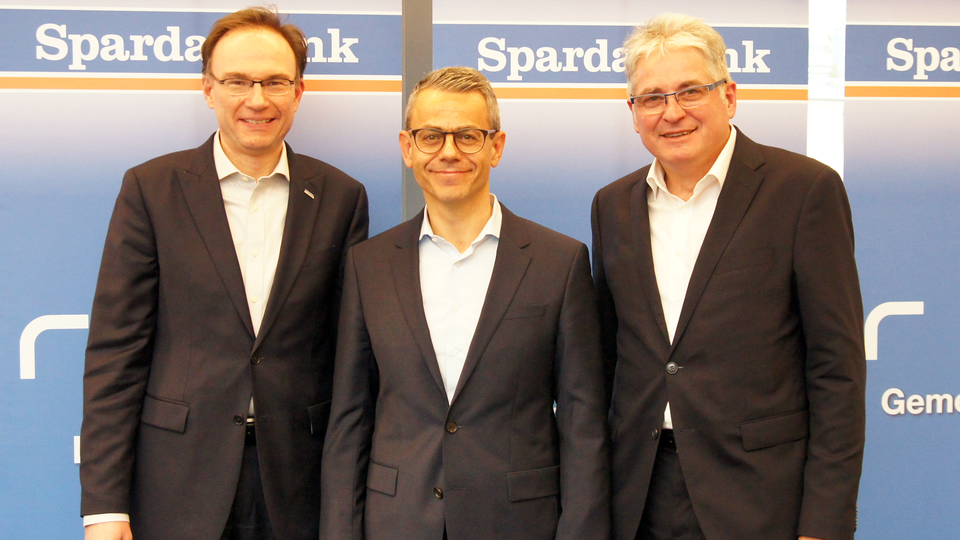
x=731 y=316
x=460 y=330
x=212 y=338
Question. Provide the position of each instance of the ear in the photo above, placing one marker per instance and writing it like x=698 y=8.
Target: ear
x=636 y=123
x=298 y=93
x=406 y=147
x=499 y=139
x=208 y=89
x=730 y=96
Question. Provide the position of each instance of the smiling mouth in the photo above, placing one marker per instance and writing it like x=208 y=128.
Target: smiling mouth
x=267 y=121
x=680 y=134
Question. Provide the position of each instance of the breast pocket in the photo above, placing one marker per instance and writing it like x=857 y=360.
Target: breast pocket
x=743 y=259
x=525 y=311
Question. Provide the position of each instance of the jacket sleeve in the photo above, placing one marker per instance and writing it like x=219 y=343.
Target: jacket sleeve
x=831 y=311
x=581 y=411
x=346 y=450
x=118 y=356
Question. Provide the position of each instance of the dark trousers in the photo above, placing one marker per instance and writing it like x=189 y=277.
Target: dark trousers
x=668 y=513
x=248 y=518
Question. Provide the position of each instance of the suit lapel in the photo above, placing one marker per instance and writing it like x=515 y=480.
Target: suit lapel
x=201 y=190
x=405 y=265
x=640 y=215
x=511 y=264
x=302 y=212
x=738 y=192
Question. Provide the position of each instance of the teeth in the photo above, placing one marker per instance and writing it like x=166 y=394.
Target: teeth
x=257 y=121
x=672 y=135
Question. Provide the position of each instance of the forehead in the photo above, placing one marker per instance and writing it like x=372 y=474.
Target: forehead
x=253 y=50
x=671 y=70
x=449 y=109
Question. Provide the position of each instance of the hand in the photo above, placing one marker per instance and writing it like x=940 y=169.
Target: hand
x=111 y=530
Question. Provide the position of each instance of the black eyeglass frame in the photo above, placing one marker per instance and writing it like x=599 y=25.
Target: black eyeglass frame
x=632 y=99
x=254 y=82
x=486 y=134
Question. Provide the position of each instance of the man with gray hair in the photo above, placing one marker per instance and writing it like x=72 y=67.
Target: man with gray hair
x=732 y=324
x=460 y=332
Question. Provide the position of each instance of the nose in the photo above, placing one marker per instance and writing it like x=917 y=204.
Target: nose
x=256 y=97
x=449 y=149
x=672 y=110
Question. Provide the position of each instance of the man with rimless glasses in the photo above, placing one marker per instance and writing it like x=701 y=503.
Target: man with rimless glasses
x=210 y=358
x=460 y=330
x=732 y=324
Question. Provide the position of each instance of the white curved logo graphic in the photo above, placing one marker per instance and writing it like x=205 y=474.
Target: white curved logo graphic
x=28 y=339
x=872 y=325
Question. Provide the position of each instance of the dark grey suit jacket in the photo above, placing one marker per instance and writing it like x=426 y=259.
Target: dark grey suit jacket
x=767 y=397
x=400 y=463
x=172 y=359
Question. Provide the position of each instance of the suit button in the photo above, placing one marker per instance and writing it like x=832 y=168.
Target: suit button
x=239 y=420
x=672 y=368
x=452 y=427
x=655 y=433
x=438 y=493
x=256 y=360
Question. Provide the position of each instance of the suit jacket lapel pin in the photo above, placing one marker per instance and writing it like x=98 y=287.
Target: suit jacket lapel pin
x=307 y=191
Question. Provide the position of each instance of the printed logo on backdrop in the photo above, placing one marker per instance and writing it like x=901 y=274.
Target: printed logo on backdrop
x=903 y=61
x=576 y=56
x=895 y=401
x=155 y=43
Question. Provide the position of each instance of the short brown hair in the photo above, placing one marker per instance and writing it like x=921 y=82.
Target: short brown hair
x=256 y=17
x=456 y=79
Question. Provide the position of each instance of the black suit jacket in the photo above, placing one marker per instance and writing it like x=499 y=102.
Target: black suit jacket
x=172 y=359
x=400 y=463
x=766 y=374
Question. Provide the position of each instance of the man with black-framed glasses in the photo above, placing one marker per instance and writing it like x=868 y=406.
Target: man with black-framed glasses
x=732 y=324
x=460 y=330
x=209 y=362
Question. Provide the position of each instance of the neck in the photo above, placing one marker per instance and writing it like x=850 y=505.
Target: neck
x=459 y=224
x=254 y=166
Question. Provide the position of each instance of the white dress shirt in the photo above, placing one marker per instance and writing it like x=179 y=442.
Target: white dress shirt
x=453 y=286
x=677 y=229
x=256 y=211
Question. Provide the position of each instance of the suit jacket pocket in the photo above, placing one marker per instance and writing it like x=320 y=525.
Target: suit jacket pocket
x=533 y=484
x=774 y=430
x=744 y=258
x=382 y=479
x=164 y=414
x=523 y=312
x=319 y=416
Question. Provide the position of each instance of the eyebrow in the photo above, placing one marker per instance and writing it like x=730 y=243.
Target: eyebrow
x=684 y=85
x=239 y=75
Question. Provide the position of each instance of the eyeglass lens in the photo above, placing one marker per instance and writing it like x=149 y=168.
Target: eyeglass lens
x=468 y=141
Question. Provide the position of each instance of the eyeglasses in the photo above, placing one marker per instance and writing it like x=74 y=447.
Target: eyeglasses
x=467 y=140
x=242 y=87
x=688 y=98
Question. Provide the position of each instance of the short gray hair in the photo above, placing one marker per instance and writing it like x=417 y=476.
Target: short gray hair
x=670 y=32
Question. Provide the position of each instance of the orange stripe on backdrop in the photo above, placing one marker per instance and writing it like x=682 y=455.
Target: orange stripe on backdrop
x=346 y=85
x=903 y=91
x=112 y=83
x=790 y=94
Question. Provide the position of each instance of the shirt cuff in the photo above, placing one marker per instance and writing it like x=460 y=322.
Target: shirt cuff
x=104 y=518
